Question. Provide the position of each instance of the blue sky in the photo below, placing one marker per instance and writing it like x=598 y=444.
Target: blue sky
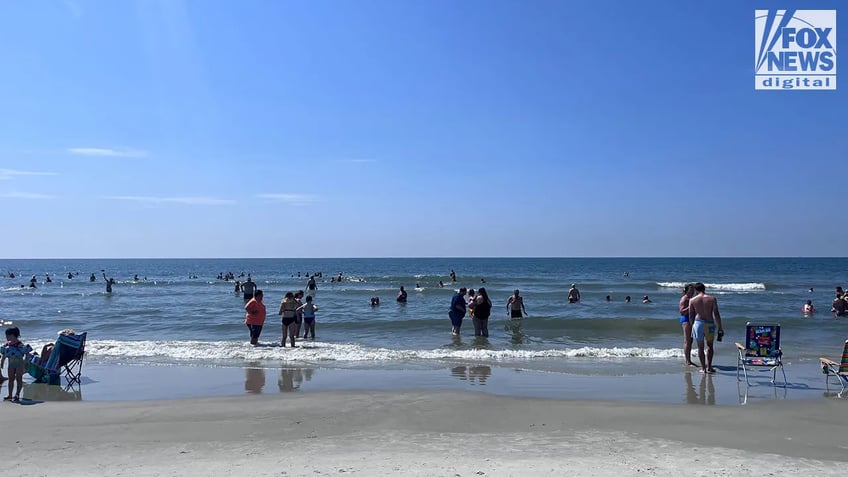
x=169 y=128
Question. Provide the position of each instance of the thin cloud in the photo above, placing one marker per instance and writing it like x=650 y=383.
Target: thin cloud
x=172 y=200
x=10 y=173
x=26 y=195
x=295 y=199
x=106 y=152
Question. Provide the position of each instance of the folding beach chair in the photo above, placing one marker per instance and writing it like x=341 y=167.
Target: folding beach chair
x=839 y=370
x=761 y=349
x=65 y=359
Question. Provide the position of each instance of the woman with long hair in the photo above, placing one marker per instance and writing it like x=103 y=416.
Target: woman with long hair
x=482 y=310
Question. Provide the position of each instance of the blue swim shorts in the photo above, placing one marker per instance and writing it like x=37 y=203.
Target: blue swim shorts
x=703 y=330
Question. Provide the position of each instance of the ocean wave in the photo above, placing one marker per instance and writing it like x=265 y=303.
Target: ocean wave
x=188 y=351
x=753 y=286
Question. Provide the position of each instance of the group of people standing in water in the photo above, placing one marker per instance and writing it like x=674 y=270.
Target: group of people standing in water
x=296 y=313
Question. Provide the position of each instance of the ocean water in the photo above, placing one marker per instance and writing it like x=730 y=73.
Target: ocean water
x=167 y=318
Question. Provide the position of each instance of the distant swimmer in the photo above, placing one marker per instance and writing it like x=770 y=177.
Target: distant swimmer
x=645 y=299
x=808 y=308
x=573 y=294
x=47 y=278
x=32 y=281
x=92 y=278
x=135 y=278
x=401 y=296
x=626 y=274
x=441 y=284
x=109 y=283
x=627 y=299
x=248 y=288
x=238 y=288
x=339 y=278
x=311 y=286
x=482 y=280
x=375 y=301
x=609 y=298
x=515 y=306
x=452 y=275
x=71 y=276
x=11 y=275
x=838 y=306
x=811 y=289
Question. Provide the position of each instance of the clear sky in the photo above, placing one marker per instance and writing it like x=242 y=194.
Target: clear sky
x=262 y=128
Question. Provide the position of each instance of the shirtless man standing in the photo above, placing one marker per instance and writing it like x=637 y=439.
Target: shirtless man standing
x=515 y=306
x=703 y=309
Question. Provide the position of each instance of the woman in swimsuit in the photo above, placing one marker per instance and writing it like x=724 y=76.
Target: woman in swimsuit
x=288 y=310
x=688 y=293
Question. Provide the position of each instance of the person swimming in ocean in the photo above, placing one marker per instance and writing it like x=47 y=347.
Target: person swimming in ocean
x=808 y=308
x=401 y=297
x=573 y=294
x=109 y=283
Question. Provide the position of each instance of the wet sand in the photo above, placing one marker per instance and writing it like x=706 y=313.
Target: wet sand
x=424 y=433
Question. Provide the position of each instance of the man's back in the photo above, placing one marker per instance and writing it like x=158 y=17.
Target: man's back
x=704 y=306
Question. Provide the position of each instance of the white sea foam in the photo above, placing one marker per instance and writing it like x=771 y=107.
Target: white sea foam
x=754 y=286
x=181 y=351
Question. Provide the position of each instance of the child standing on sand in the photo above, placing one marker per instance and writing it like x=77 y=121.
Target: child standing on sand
x=308 y=309
x=16 y=352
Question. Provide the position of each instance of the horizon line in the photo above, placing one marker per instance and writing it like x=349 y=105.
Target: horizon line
x=434 y=257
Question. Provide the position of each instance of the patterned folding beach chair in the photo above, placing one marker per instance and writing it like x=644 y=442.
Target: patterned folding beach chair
x=839 y=370
x=65 y=359
x=761 y=350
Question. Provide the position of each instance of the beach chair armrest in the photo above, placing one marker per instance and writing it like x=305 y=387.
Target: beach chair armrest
x=740 y=347
x=829 y=362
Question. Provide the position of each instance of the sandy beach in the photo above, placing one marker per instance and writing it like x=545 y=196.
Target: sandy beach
x=421 y=433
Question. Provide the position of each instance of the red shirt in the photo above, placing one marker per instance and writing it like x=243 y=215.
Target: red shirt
x=255 y=312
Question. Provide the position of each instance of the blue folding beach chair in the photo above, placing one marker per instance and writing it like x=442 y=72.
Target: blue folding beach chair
x=65 y=360
x=761 y=350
